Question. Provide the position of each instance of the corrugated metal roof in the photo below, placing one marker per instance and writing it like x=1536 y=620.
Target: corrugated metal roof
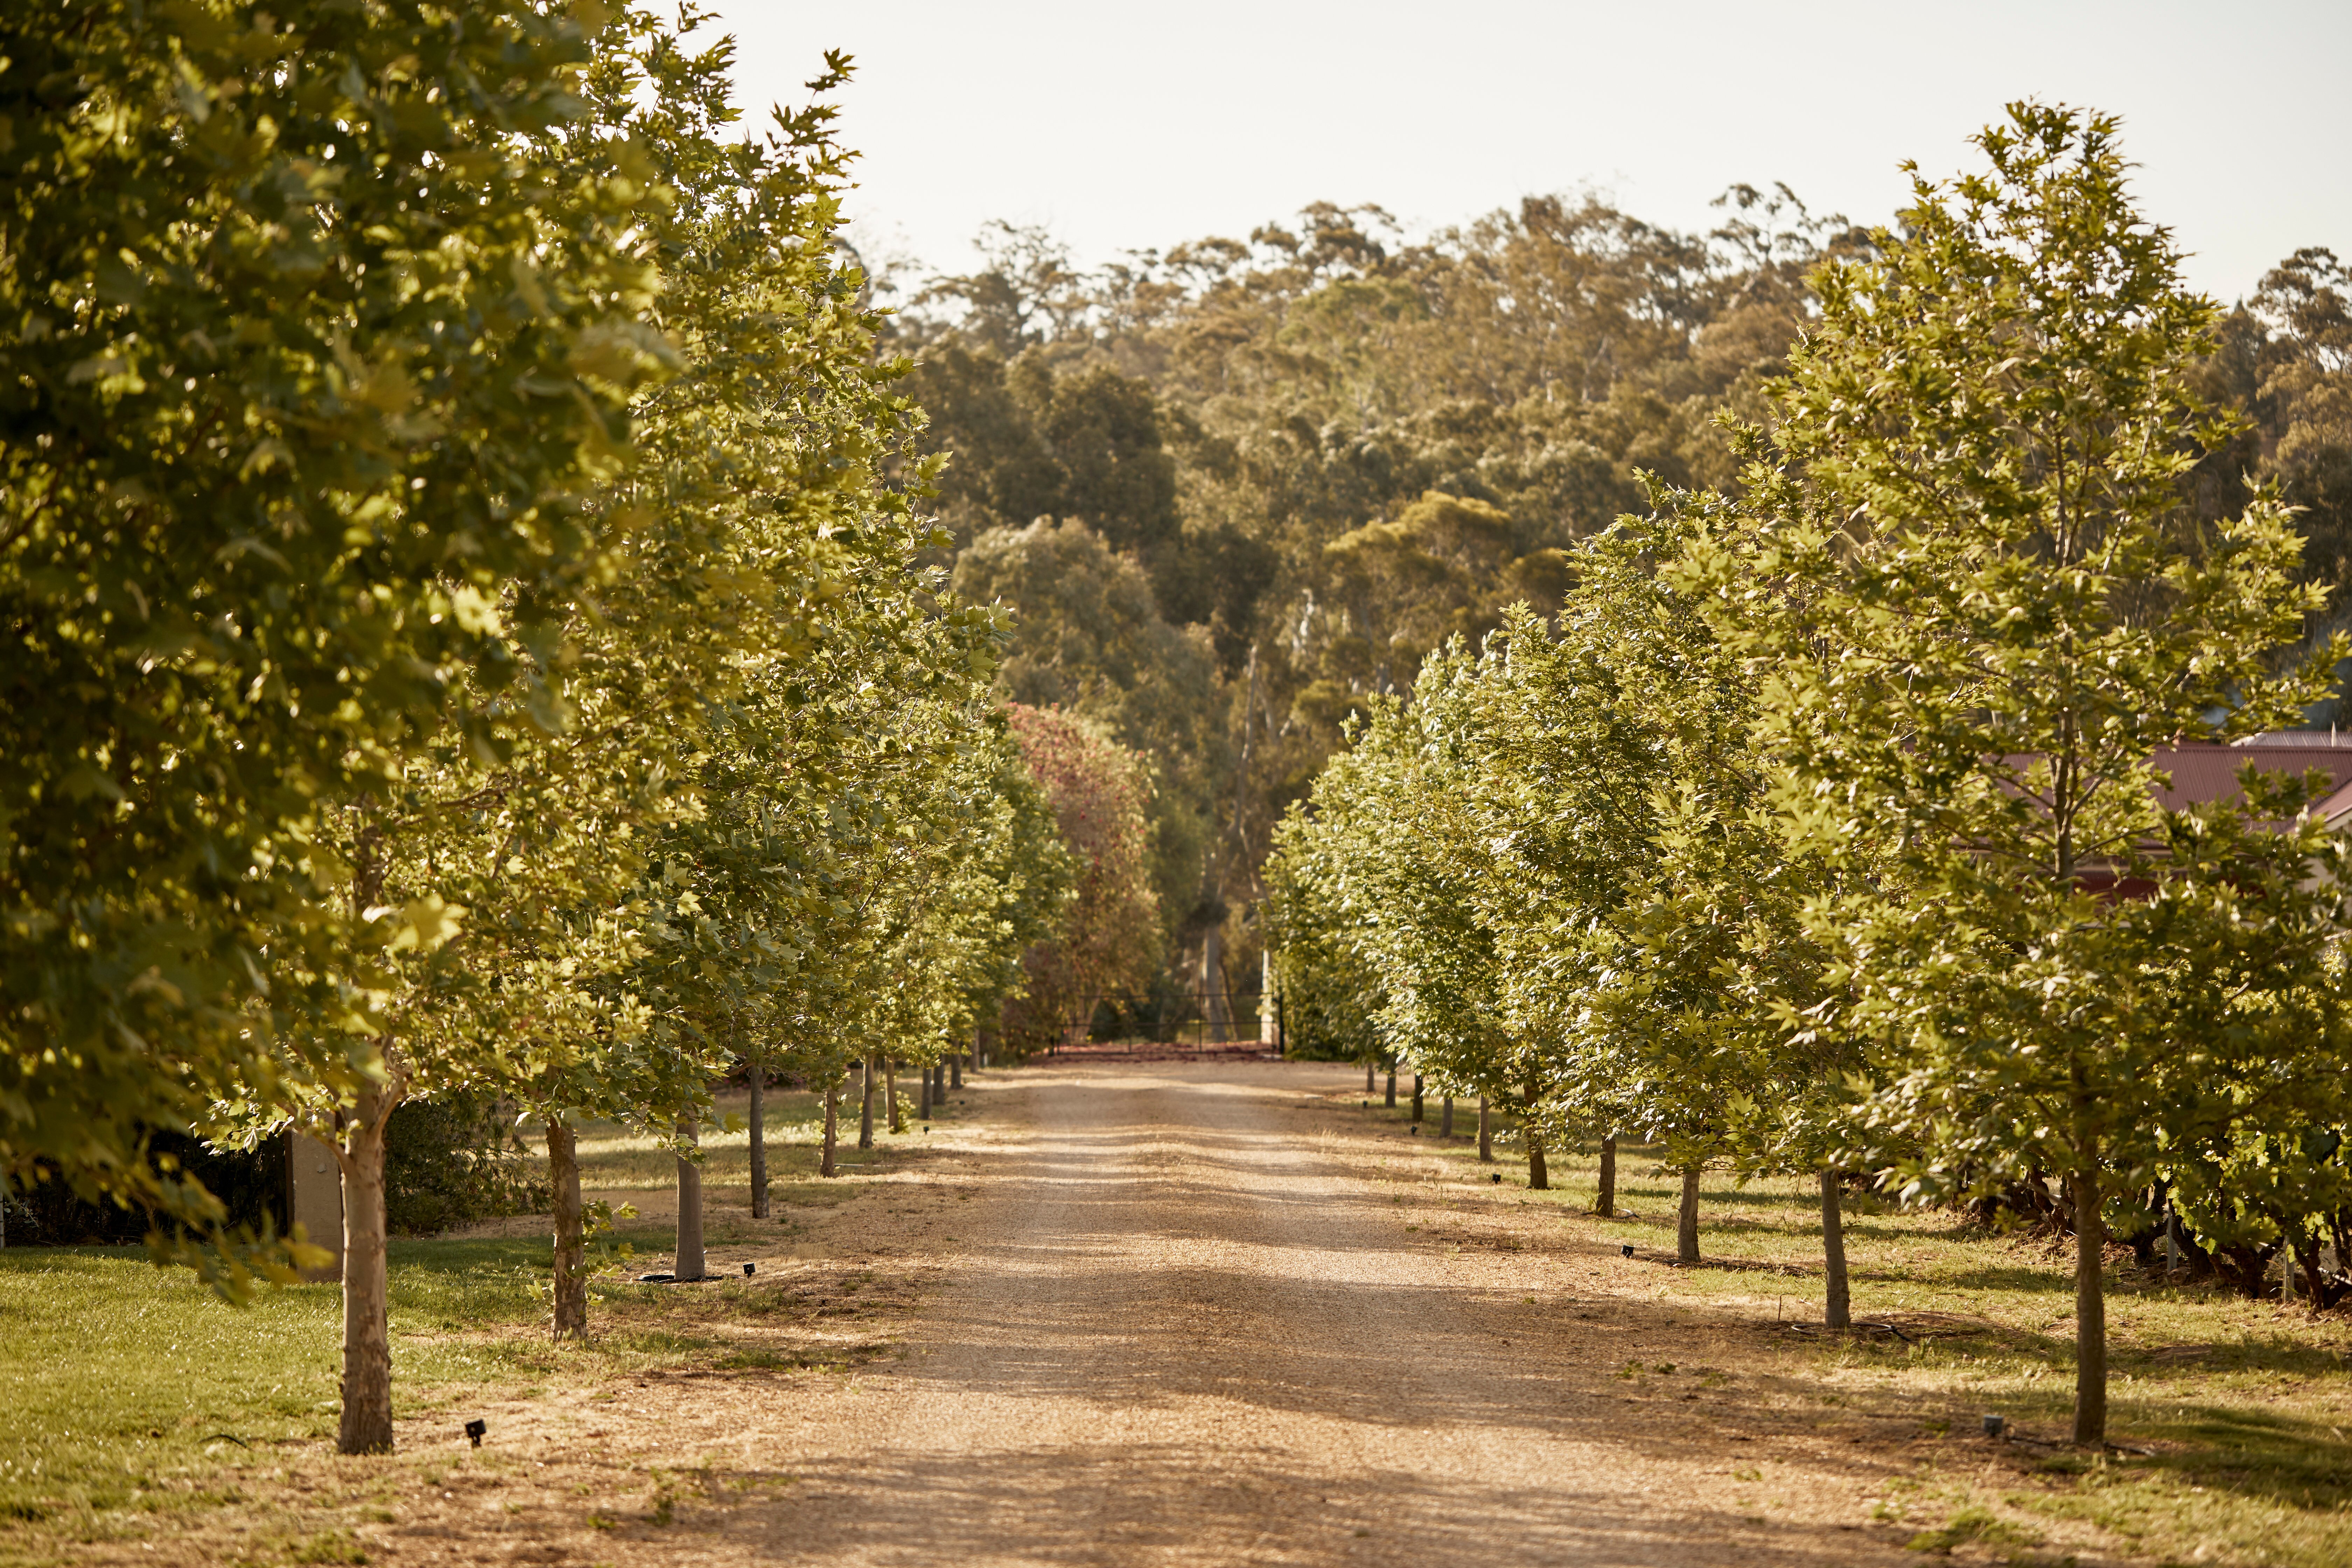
x=2206 y=773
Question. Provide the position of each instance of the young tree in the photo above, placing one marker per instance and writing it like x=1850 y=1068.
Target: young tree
x=1109 y=935
x=1971 y=501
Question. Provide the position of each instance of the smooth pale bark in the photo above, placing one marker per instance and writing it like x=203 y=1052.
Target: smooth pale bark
x=571 y=1319
x=1604 y=1201
x=2090 y=1311
x=758 y=1142
x=1485 y=1131
x=1686 y=1223
x=1416 y=1098
x=825 y=1166
x=366 y=1426
x=890 y=1083
x=866 y=1102
x=1445 y=1117
x=689 y=1264
x=1838 y=1312
x=1391 y=1099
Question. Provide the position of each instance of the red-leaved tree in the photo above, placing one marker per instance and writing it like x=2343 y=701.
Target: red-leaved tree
x=1109 y=935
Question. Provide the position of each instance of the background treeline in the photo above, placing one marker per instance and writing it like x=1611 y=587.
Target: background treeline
x=1239 y=488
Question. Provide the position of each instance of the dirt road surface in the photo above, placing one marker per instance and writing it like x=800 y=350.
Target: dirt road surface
x=1149 y=1313
x=1189 y=1325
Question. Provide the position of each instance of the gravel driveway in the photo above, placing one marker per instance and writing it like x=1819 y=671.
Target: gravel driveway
x=1192 y=1327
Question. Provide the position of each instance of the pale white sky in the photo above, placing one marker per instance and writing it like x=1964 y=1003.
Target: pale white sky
x=1132 y=126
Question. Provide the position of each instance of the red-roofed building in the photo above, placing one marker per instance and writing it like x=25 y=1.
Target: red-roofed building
x=2203 y=773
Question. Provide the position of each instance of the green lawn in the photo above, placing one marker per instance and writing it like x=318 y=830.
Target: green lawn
x=120 y=1384
x=116 y=1377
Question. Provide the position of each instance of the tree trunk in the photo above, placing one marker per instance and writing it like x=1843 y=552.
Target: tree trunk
x=825 y=1166
x=1604 y=1201
x=1416 y=1100
x=890 y=1083
x=571 y=1319
x=1538 y=1181
x=1391 y=1099
x=1370 y=1069
x=866 y=1102
x=2090 y=1312
x=1445 y=1117
x=1687 y=1224
x=1269 y=1031
x=1486 y=1132
x=366 y=1426
x=1216 y=1009
x=689 y=1264
x=923 y=1106
x=1838 y=1312
x=955 y=1070
x=758 y=1142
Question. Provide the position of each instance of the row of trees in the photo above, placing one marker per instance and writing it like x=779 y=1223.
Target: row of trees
x=1823 y=827
x=468 y=628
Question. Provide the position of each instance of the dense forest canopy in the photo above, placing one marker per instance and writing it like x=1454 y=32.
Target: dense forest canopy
x=1236 y=488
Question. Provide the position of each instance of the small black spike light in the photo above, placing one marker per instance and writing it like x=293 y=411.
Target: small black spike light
x=1993 y=1426
x=749 y=1269
x=1498 y=1178
x=1628 y=1249
x=476 y=1430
